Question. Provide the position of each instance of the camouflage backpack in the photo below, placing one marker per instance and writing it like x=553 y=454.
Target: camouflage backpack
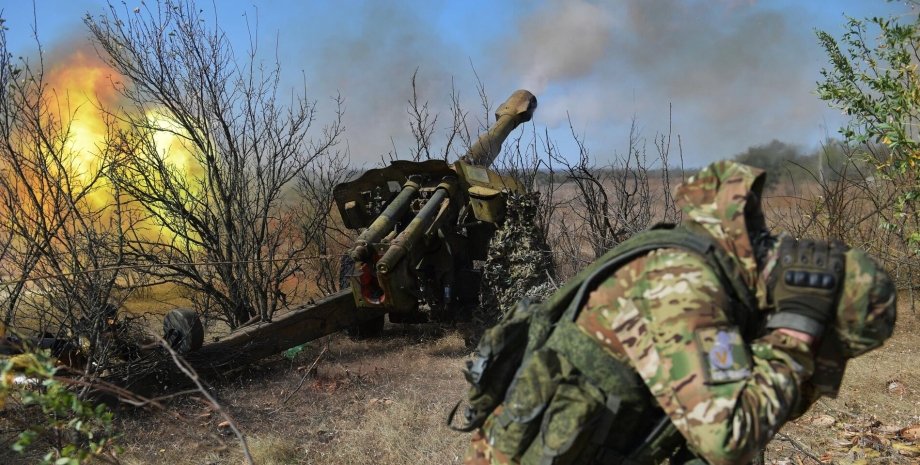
x=545 y=392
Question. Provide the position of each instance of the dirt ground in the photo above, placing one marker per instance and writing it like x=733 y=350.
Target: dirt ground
x=385 y=401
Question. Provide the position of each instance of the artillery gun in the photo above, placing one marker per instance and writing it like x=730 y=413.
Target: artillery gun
x=422 y=227
x=424 y=224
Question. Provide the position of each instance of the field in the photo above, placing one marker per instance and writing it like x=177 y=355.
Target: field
x=386 y=401
x=383 y=401
x=156 y=157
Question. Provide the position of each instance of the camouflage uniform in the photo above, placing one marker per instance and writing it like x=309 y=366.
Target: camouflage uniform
x=703 y=357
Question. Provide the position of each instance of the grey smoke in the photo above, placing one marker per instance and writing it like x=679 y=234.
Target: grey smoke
x=736 y=76
x=371 y=62
x=561 y=41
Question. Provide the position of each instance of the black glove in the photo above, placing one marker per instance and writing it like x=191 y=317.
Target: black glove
x=806 y=283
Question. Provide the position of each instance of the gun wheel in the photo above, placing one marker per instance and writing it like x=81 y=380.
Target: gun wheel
x=183 y=331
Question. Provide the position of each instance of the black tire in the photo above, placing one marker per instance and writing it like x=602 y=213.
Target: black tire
x=183 y=331
x=367 y=329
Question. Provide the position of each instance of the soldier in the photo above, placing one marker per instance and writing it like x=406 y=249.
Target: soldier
x=693 y=353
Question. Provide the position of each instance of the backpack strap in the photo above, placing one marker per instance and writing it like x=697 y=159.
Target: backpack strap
x=664 y=236
x=581 y=350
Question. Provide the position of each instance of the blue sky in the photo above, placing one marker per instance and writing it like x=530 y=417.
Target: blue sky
x=734 y=73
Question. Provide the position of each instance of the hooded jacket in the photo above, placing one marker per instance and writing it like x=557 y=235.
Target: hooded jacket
x=667 y=316
x=683 y=344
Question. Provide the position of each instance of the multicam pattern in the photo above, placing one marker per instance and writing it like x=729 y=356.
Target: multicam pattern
x=481 y=453
x=715 y=199
x=655 y=308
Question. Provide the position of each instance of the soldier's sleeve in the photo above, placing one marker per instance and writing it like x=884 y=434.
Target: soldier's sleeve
x=667 y=316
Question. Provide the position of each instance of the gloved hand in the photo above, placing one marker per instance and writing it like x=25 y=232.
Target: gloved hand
x=806 y=284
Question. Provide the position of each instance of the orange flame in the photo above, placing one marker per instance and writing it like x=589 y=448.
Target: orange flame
x=82 y=88
x=81 y=85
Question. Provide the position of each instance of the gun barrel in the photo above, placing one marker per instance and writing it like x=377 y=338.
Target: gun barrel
x=416 y=228
x=517 y=109
x=386 y=221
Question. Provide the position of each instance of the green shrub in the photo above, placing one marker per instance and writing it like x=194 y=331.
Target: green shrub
x=54 y=416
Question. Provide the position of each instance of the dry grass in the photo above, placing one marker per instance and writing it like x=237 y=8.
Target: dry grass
x=385 y=402
x=382 y=401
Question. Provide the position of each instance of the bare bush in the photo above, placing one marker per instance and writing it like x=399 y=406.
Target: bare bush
x=605 y=205
x=61 y=246
x=219 y=192
x=423 y=127
x=846 y=198
x=321 y=227
x=580 y=209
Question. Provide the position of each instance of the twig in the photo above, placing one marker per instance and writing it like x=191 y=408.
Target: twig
x=798 y=446
x=192 y=375
x=299 y=385
x=123 y=394
x=551 y=280
x=135 y=266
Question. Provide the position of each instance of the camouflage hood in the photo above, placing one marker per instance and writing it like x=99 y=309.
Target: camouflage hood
x=724 y=200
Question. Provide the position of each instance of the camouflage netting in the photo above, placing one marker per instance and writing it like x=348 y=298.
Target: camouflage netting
x=519 y=263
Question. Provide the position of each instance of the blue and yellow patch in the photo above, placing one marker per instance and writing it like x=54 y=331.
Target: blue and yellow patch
x=724 y=354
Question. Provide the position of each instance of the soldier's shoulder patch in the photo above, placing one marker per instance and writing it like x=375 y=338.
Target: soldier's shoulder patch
x=724 y=354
